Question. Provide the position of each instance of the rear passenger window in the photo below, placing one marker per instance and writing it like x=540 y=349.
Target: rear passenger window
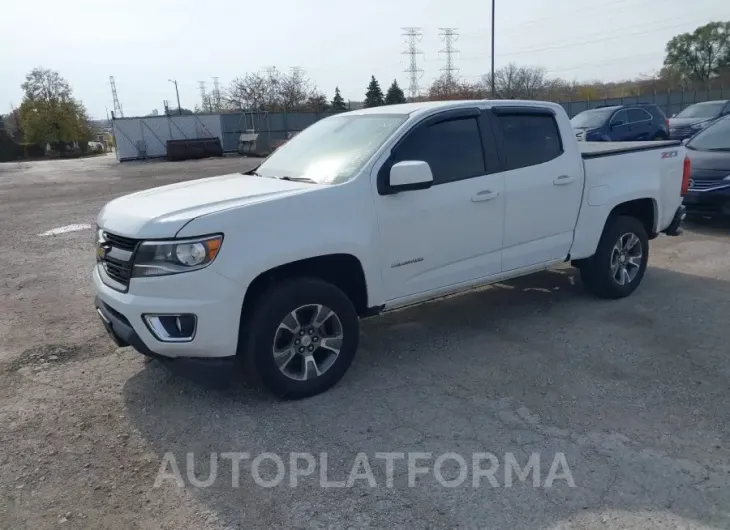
x=452 y=148
x=529 y=140
x=638 y=115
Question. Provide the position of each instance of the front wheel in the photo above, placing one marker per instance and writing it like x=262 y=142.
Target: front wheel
x=301 y=338
x=618 y=266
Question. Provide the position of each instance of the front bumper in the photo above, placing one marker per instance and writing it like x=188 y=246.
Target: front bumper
x=709 y=203
x=214 y=299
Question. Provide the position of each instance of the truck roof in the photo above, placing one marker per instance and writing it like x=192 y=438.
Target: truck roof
x=427 y=106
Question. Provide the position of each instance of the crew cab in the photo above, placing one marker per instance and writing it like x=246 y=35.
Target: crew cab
x=368 y=211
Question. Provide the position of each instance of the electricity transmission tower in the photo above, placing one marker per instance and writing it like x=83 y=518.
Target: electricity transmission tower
x=216 y=94
x=204 y=99
x=449 y=36
x=117 y=106
x=412 y=36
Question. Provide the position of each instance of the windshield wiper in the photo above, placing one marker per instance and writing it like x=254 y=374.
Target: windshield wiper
x=719 y=149
x=297 y=179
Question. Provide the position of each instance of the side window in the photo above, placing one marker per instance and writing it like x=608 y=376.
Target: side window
x=638 y=115
x=452 y=148
x=529 y=139
x=620 y=117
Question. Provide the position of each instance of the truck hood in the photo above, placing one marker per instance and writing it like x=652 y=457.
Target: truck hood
x=709 y=165
x=161 y=212
x=686 y=122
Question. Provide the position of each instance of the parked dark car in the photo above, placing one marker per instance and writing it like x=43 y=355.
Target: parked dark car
x=709 y=185
x=621 y=123
x=696 y=117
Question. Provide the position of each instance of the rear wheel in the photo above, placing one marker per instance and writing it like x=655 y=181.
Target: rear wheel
x=660 y=136
x=618 y=266
x=301 y=338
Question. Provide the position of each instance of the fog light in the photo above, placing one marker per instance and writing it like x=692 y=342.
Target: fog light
x=172 y=328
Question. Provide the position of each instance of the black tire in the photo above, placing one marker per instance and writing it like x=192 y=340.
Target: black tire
x=660 y=136
x=596 y=272
x=260 y=329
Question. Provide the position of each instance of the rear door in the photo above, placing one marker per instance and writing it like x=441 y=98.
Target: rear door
x=544 y=186
x=640 y=124
x=451 y=232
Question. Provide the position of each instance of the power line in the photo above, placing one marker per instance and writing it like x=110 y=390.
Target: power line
x=412 y=37
x=563 y=14
x=589 y=41
x=449 y=36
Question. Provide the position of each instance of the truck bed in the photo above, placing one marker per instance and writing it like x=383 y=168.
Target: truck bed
x=598 y=149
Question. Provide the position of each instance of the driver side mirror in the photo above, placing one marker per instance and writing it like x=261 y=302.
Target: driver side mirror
x=410 y=175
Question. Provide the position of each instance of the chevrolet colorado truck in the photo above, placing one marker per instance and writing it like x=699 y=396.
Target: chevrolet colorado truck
x=368 y=211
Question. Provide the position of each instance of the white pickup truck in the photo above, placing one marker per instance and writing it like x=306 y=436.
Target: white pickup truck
x=368 y=211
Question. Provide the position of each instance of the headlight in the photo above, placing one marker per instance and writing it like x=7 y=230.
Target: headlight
x=158 y=258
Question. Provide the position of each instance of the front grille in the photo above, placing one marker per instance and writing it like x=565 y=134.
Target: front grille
x=119 y=270
x=681 y=131
x=125 y=243
x=704 y=184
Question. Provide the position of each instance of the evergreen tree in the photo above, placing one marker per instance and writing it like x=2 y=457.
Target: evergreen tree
x=338 y=104
x=395 y=94
x=374 y=95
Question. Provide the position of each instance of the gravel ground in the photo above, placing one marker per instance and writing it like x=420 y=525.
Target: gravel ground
x=634 y=393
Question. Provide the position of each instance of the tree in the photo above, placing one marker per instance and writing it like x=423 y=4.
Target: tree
x=49 y=114
x=338 y=104
x=395 y=94
x=700 y=55
x=173 y=111
x=317 y=103
x=271 y=90
x=517 y=82
x=374 y=95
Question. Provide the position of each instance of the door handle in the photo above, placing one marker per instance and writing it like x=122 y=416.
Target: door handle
x=562 y=180
x=485 y=195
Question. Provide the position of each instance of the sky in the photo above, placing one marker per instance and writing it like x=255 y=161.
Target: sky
x=144 y=43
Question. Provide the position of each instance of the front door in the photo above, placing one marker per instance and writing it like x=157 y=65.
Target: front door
x=452 y=232
x=621 y=128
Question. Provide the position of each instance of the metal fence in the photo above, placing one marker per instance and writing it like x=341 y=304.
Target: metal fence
x=139 y=138
x=271 y=126
x=670 y=102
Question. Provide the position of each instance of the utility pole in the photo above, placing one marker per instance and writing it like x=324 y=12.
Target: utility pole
x=449 y=36
x=177 y=93
x=494 y=95
x=412 y=37
x=117 y=106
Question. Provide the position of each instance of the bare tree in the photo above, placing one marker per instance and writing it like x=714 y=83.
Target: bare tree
x=271 y=90
x=518 y=82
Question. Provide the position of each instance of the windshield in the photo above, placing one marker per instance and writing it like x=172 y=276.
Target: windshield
x=716 y=137
x=589 y=119
x=332 y=150
x=702 y=110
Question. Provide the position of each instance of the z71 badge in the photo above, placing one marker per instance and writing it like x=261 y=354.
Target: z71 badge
x=669 y=154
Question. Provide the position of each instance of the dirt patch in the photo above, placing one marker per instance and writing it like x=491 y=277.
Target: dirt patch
x=48 y=355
